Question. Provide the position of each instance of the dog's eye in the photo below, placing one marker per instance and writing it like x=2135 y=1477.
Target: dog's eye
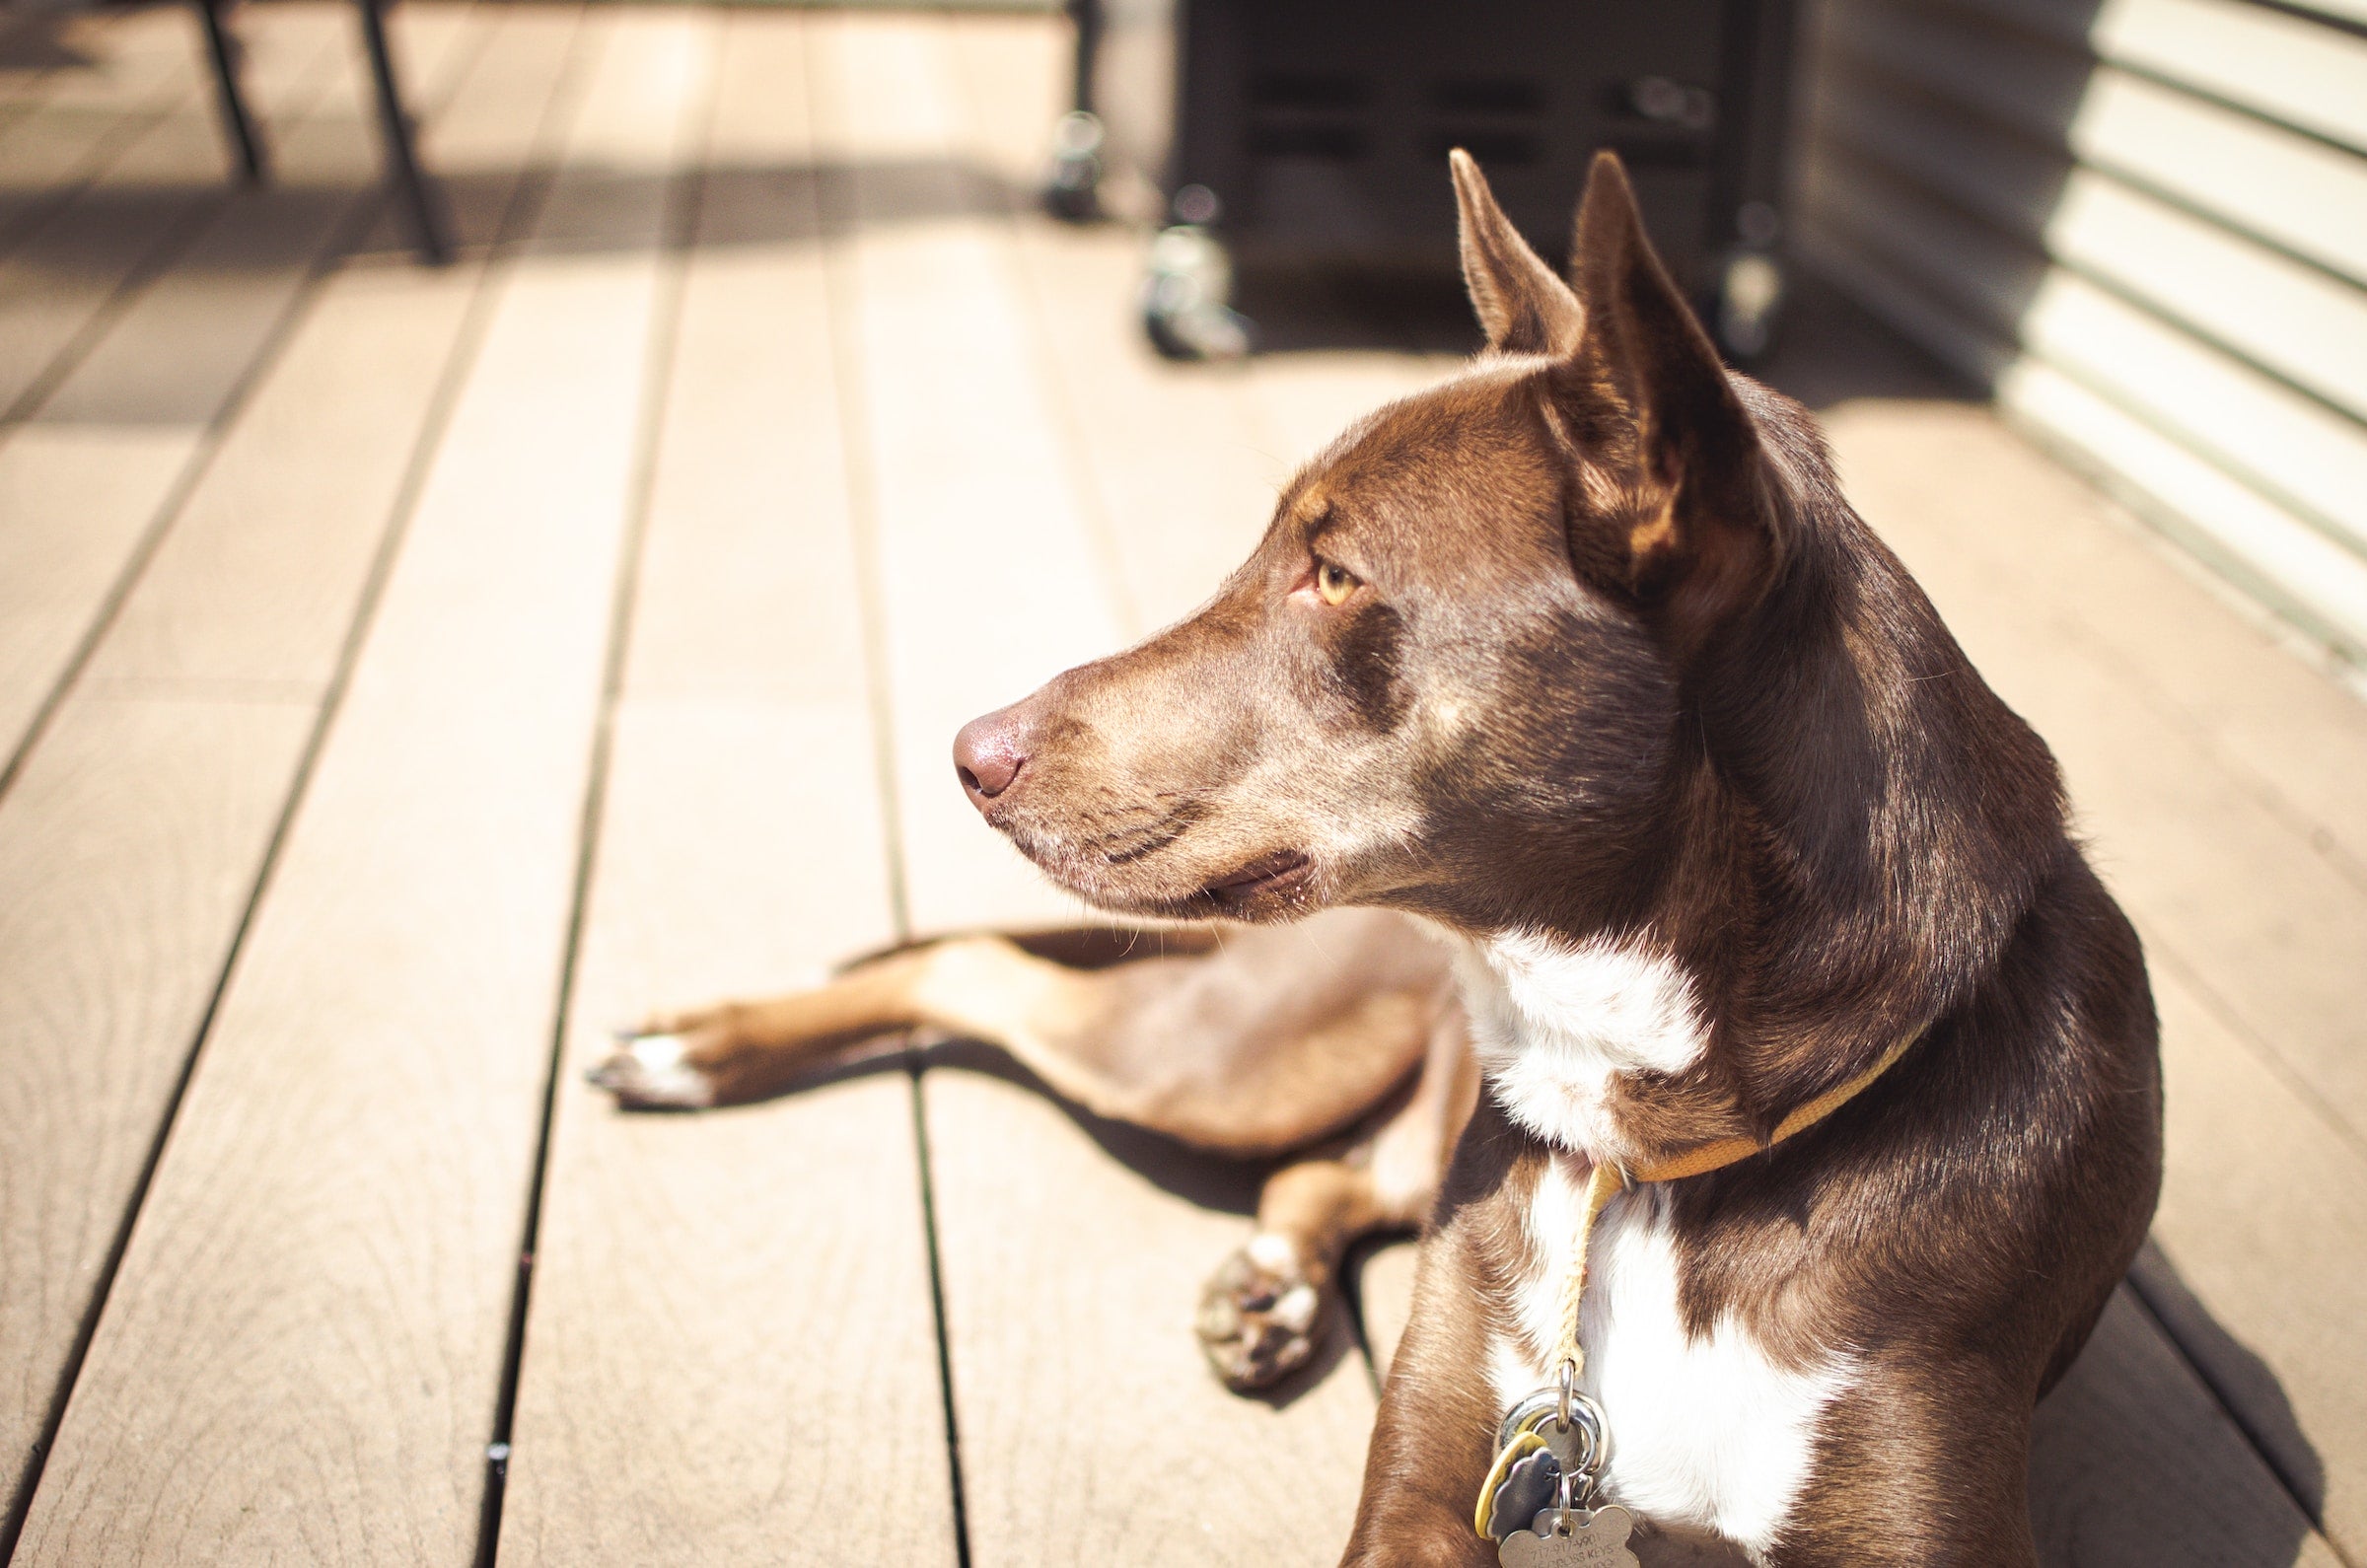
x=1332 y=584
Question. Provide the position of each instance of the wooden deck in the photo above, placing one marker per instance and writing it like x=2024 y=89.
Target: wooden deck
x=406 y=674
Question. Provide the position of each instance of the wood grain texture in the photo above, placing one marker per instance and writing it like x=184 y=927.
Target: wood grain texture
x=128 y=850
x=960 y=453
x=1089 y=1430
x=133 y=839
x=78 y=494
x=2254 y=1270
x=66 y=267
x=1176 y=486
x=256 y=584
x=301 y=1354
x=2134 y=1463
x=732 y=1353
x=124 y=181
x=76 y=502
x=167 y=187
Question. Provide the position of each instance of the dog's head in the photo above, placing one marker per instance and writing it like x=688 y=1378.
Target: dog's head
x=1450 y=675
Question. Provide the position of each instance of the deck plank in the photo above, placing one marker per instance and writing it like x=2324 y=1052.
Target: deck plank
x=2133 y=1465
x=302 y=1352
x=1171 y=463
x=129 y=849
x=66 y=127
x=2263 y=1220
x=89 y=477
x=731 y=1352
x=253 y=586
x=144 y=200
x=130 y=846
x=1069 y=1277
x=960 y=453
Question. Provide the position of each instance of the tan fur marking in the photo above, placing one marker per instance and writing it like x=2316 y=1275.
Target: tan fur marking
x=1656 y=532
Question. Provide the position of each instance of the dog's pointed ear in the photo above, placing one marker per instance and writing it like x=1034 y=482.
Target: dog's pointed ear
x=1673 y=499
x=1523 y=306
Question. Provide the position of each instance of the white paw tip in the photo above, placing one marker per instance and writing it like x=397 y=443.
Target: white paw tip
x=1296 y=1310
x=1276 y=1254
x=656 y=1053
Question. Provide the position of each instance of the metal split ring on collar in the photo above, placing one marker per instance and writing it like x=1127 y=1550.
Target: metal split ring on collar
x=1580 y=1443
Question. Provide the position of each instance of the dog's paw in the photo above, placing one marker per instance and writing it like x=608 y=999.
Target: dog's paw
x=1260 y=1314
x=654 y=1072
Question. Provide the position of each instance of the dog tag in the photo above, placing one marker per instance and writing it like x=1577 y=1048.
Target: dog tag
x=1527 y=1486
x=1578 y=1538
x=1487 y=1518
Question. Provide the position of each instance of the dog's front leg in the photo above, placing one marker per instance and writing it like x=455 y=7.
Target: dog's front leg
x=1431 y=1443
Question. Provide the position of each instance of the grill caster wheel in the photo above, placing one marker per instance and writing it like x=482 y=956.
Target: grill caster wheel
x=1072 y=188
x=1748 y=305
x=1186 y=309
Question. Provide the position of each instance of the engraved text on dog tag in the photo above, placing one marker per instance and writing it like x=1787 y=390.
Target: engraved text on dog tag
x=1575 y=1539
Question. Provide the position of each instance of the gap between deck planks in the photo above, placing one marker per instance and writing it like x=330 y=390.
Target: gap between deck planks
x=151 y=192
x=731 y=1349
x=90 y=477
x=130 y=844
x=1088 y=1428
x=2076 y=1513
x=2130 y=1370
x=302 y=1350
x=67 y=127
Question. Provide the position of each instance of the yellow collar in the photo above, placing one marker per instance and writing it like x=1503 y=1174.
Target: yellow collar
x=1606 y=1181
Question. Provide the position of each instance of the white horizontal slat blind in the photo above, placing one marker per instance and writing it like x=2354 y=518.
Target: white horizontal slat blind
x=2144 y=223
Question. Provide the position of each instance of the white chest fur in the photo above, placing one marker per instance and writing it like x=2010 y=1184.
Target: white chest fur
x=1707 y=1431
x=1552 y=1024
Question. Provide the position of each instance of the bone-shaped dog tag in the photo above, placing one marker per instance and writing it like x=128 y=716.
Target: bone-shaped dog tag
x=1573 y=1539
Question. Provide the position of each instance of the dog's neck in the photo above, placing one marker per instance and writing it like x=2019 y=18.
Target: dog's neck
x=1841 y=855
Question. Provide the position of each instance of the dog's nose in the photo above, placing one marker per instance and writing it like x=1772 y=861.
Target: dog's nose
x=988 y=755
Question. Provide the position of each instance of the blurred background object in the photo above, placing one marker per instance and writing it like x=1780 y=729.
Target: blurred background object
x=420 y=203
x=1313 y=132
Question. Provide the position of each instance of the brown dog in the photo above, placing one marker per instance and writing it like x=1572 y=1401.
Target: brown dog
x=1582 y=660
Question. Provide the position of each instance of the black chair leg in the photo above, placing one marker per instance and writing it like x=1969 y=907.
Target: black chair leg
x=420 y=198
x=245 y=137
